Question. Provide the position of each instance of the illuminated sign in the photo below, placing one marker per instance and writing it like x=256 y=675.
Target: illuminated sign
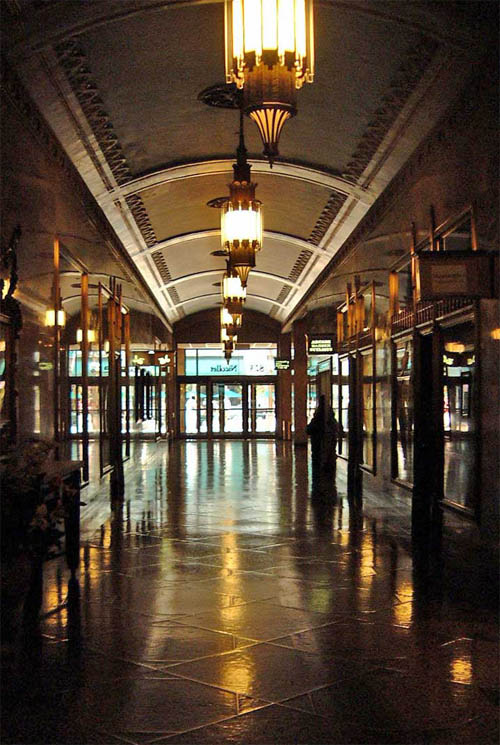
x=321 y=344
x=282 y=364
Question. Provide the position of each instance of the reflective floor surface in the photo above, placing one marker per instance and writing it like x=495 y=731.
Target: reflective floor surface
x=232 y=600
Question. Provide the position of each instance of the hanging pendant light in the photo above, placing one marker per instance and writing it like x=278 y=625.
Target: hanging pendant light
x=230 y=324
x=270 y=55
x=241 y=217
x=228 y=342
x=233 y=293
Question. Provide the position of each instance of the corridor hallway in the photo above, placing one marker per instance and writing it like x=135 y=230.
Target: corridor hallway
x=231 y=600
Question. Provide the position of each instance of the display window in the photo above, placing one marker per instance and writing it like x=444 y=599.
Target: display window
x=459 y=414
x=403 y=433
x=368 y=409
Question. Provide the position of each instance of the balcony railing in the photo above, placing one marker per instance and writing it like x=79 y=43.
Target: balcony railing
x=426 y=311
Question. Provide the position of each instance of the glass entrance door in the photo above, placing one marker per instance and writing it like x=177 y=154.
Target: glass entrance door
x=261 y=408
x=232 y=411
x=215 y=408
x=193 y=408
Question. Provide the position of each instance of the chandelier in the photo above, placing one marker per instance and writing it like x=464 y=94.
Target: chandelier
x=241 y=217
x=269 y=55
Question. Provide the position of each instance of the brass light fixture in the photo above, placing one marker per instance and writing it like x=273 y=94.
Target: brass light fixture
x=228 y=342
x=231 y=324
x=269 y=55
x=241 y=217
x=233 y=293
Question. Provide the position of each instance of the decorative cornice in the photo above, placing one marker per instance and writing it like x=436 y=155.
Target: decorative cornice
x=400 y=90
x=443 y=135
x=73 y=61
x=14 y=89
x=300 y=264
x=327 y=216
x=140 y=215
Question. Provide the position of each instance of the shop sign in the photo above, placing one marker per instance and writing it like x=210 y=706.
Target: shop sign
x=454 y=274
x=282 y=364
x=324 y=344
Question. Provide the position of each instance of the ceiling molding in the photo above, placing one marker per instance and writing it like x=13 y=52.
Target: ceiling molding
x=217 y=272
x=223 y=166
x=174 y=242
x=217 y=295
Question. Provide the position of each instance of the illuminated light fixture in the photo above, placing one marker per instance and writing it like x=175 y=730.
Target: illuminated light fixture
x=233 y=292
x=50 y=317
x=455 y=346
x=229 y=323
x=241 y=217
x=233 y=296
x=228 y=342
x=91 y=336
x=269 y=55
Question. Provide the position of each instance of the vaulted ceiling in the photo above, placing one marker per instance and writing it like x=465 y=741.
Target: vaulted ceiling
x=118 y=83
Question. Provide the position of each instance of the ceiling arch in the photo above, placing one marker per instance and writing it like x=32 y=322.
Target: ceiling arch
x=118 y=85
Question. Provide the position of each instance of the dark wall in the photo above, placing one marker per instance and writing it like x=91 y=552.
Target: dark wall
x=43 y=194
x=204 y=326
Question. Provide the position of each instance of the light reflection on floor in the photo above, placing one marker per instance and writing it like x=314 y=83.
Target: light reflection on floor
x=224 y=603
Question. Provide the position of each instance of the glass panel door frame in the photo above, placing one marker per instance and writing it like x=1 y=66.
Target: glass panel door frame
x=212 y=415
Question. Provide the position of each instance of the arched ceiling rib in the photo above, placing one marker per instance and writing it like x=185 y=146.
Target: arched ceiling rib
x=118 y=86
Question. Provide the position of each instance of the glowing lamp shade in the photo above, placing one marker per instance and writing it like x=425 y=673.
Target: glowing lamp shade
x=227 y=337
x=229 y=323
x=269 y=54
x=269 y=32
x=50 y=317
x=233 y=296
x=241 y=234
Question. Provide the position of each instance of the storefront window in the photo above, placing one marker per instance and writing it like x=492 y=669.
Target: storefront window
x=312 y=398
x=459 y=417
x=367 y=405
x=343 y=446
x=404 y=412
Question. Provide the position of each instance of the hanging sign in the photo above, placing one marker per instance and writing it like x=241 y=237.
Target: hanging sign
x=454 y=274
x=320 y=344
x=282 y=364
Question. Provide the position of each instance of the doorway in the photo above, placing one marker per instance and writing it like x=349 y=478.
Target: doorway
x=229 y=408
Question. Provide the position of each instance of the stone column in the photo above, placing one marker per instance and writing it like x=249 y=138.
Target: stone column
x=300 y=382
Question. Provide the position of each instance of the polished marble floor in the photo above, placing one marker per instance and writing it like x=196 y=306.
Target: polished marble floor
x=232 y=600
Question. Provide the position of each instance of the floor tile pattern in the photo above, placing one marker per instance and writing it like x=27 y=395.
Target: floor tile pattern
x=231 y=600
